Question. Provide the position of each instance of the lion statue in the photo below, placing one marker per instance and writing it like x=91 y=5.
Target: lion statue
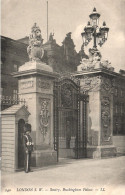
x=35 y=50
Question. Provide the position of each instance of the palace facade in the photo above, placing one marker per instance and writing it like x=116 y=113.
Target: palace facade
x=77 y=116
x=63 y=59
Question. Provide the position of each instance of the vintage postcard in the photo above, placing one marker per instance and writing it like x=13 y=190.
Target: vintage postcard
x=63 y=97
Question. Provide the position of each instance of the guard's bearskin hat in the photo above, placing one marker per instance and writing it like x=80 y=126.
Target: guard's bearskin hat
x=27 y=127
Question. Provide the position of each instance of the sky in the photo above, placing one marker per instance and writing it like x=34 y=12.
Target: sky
x=18 y=16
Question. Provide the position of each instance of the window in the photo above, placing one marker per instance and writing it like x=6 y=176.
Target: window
x=15 y=67
x=3 y=88
x=15 y=94
x=121 y=93
x=119 y=119
x=116 y=92
x=122 y=108
x=2 y=65
x=1 y=91
x=116 y=108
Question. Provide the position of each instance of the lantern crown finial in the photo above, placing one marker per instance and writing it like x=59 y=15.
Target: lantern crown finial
x=88 y=23
x=94 y=14
x=104 y=23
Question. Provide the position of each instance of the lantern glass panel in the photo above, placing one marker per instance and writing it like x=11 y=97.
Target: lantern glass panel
x=94 y=22
x=106 y=35
x=83 y=37
x=89 y=35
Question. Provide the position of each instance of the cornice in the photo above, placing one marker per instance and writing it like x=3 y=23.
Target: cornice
x=35 y=72
x=97 y=72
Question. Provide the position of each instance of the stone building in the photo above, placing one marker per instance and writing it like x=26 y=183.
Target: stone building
x=14 y=54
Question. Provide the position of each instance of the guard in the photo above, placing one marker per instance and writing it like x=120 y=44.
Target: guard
x=28 y=147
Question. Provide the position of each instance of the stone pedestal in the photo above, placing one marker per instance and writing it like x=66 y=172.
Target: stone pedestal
x=35 y=83
x=98 y=84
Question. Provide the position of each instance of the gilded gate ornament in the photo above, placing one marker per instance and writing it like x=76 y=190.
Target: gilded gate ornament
x=66 y=95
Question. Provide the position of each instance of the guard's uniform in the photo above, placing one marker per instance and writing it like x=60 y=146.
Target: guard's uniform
x=28 y=148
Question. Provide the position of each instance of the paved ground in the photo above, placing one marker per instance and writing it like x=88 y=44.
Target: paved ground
x=85 y=176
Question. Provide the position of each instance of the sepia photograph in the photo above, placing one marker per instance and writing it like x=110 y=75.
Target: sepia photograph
x=62 y=97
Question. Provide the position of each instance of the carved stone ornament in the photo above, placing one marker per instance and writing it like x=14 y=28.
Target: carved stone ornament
x=43 y=84
x=94 y=62
x=35 y=50
x=106 y=120
x=107 y=85
x=44 y=117
x=27 y=84
x=90 y=84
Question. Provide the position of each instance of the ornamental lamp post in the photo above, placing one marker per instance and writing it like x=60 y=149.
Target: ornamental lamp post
x=99 y=35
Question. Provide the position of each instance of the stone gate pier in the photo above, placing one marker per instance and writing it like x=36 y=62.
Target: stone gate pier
x=105 y=90
x=98 y=84
x=35 y=85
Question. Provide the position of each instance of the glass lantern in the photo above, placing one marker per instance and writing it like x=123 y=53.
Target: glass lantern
x=99 y=39
x=88 y=30
x=104 y=31
x=94 y=16
x=83 y=34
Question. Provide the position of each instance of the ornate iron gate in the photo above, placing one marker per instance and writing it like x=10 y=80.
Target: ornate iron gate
x=69 y=136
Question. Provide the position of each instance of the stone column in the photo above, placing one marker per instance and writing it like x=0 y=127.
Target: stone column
x=35 y=83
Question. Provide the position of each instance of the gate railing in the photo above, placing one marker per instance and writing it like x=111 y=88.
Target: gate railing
x=8 y=101
x=81 y=142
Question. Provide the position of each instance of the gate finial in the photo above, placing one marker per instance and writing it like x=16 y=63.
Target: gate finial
x=35 y=50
